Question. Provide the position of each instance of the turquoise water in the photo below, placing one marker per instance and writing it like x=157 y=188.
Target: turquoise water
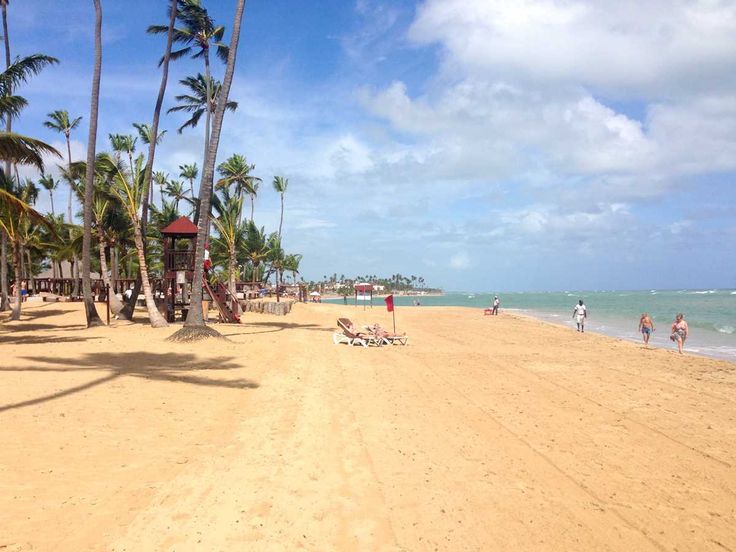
x=711 y=314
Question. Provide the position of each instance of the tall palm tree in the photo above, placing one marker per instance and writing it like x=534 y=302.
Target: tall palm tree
x=145 y=132
x=152 y=138
x=276 y=258
x=93 y=319
x=235 y=172
x=129 y=189
x=196 y=101
x=161 y=179
x=8 y=128
x=194 y=327
x=175 y=190
x=280 y=184
x=189 y=172
x=123 y=143
x=59 y=121
x=197 y=34
x=49 y=184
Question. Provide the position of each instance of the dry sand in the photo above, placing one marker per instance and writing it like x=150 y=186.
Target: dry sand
x=482 y=434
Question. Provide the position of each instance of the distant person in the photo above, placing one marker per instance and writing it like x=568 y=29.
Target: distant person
x=128 y=293
x=23 y=291
x=646 y=327
x=496 y=304
x=580 y=313
x=679 y=331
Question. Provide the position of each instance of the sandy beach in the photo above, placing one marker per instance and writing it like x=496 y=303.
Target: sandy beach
x=484 y=433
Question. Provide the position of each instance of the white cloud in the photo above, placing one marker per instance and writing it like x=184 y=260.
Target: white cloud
x=460 y=261
x=622 y=45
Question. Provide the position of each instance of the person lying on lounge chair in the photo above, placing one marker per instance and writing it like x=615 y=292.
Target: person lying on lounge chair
x=387 y=336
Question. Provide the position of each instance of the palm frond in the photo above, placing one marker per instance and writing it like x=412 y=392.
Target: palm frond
x=24 y=150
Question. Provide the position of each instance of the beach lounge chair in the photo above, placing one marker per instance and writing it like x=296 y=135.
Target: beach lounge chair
x=388 y=338
x=352 y=337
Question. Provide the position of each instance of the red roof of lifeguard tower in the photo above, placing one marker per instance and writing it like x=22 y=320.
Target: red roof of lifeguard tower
x=181 y=226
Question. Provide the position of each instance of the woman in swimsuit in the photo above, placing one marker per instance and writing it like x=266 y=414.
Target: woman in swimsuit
x=679 y=331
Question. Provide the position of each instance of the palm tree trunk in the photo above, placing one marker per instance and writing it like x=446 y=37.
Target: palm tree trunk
x=71 y=189
x=51 y=197
x=194 y=327
x=156 y=318
x=114 y=272
x=17 y=264
x=116 y=305
x=4 y=303
x=128 y=310
x=93 y=319
x=231 y=269
x=252 y=206
x=29 y=272
x=281 y=220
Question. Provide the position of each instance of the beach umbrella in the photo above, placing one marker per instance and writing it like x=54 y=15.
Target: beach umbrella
x=315 y=293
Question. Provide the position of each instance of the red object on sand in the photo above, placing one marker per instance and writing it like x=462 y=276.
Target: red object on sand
x=389 y=303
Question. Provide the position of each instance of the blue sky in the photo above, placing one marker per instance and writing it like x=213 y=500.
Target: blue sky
x=487 y=145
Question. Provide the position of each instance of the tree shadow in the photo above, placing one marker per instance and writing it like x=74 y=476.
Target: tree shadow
x=278 y=327
x=24 y=326
x=172 y=367
x=36 y=340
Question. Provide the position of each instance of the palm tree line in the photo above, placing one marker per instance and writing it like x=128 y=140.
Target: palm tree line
x=391 y=284
x=115 y=187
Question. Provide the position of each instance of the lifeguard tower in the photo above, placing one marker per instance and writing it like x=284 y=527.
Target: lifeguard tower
x=180 y=242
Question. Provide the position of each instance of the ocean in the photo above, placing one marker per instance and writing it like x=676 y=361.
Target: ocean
x=711 y=314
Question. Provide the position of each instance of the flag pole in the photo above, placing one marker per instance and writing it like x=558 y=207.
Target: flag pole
x=393 y=314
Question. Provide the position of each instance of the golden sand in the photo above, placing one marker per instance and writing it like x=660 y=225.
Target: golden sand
x=484 y=433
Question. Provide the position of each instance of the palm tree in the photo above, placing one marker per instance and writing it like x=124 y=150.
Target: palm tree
x=276 y=258
x=280 y=184
x=255 y=247
x=194 y=327
x=8 y=128
x=231 y=233
x=196 y=101
x=129 y=190
x=93 y=319
x=197 y=31
x=235 y=171
x=59 y=121
x=123 y=143
x=15 y=148
x=190 y=173
x=291 y=264
x=100 y=210
x=152 y=138
x=161 y=179
x=14 y=215
x=175 y=190
x=145 y=132
x=49 y=184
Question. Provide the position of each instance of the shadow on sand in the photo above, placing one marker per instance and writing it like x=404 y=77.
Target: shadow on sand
x=173 y=367
x=269 y=327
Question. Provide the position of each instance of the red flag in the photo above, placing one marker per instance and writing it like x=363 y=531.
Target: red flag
x=389 y=303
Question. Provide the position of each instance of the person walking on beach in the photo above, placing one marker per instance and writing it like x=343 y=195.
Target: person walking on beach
x=580 y=313
x=679 y=331
x=646 y=327
x=496 y=304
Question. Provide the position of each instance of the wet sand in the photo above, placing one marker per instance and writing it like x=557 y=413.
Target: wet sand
x=484 y=433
